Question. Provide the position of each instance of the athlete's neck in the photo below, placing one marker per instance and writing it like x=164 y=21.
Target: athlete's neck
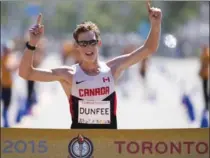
x=91 y=68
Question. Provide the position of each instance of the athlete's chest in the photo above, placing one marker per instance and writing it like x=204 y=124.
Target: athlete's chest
x=93 y=87
x=92 y=81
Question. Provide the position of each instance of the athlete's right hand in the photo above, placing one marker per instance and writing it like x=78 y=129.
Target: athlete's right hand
x=36 y=31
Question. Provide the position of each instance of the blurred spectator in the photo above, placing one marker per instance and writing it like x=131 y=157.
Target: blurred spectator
x=148 y=92
x=143 y=68
x=204 y=74
x=125 y=76
x=31 y=98
x=19 y=44
x=8 y=65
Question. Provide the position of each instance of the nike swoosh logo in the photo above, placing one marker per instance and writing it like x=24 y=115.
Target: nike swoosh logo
x=78 y=82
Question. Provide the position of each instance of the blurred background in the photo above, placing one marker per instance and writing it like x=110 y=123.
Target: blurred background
x=167 y=90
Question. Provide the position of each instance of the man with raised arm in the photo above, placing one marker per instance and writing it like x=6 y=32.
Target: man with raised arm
x=90 y=84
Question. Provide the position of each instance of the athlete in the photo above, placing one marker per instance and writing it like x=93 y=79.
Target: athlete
x=90 y=85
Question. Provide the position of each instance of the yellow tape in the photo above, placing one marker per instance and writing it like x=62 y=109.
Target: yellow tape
x=40 y=143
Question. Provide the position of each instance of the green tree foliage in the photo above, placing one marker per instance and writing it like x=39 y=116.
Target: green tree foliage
x=114 y=16
x=121 y=16
x=4 y=12
x=64 y=18
x=111 y=16
x=178 y=12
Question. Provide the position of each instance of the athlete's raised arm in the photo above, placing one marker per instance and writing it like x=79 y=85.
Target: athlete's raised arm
x=148 y=48
x=26 y=69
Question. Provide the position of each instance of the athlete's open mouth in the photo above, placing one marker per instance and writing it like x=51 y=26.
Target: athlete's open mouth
x=89 y=53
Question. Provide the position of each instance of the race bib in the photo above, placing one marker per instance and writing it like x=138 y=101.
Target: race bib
x=94 y=112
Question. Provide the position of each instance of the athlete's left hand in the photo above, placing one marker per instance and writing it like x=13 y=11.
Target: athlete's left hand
x=155 y=14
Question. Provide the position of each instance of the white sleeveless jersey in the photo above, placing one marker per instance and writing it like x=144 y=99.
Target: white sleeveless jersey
x=93 y=99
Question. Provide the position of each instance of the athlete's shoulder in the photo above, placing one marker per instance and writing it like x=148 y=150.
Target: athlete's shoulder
x=110 y=63
x=68 y=69
x=104 y=67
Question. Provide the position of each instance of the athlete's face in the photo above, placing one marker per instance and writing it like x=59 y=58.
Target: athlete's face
x=88 y=46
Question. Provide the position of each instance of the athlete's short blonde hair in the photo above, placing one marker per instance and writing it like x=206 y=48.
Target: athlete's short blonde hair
x=85 y=27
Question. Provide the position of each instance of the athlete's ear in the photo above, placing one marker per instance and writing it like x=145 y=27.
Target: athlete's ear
x=99 y=43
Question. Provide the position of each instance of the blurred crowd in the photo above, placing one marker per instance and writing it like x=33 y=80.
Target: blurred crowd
x=12 y=50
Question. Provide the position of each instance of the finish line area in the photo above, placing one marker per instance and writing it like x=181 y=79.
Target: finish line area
x=54 y=143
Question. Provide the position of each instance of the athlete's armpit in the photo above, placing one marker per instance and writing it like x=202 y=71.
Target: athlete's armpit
x=120 y=63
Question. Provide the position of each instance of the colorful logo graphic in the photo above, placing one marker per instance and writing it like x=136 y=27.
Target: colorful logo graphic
x=80 y=147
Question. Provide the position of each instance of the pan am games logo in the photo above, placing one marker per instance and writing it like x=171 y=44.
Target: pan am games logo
x=80 y=147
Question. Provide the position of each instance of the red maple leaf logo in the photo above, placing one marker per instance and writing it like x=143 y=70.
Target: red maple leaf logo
x=80 y=139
